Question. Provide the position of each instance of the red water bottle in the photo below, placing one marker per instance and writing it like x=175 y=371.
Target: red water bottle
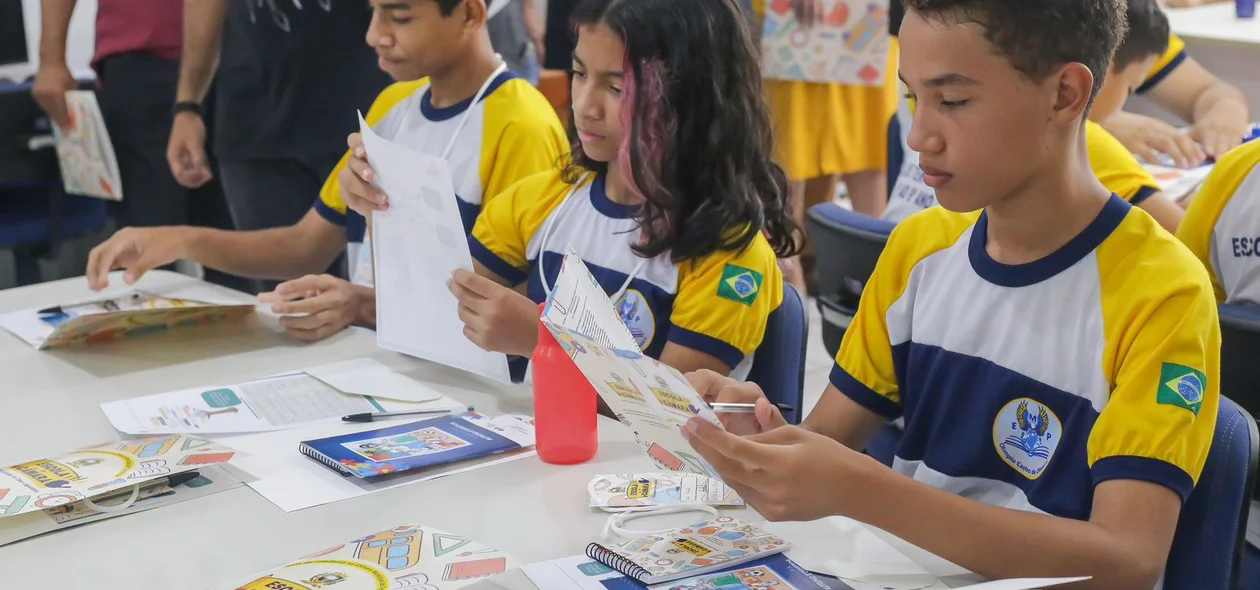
x=565 y=412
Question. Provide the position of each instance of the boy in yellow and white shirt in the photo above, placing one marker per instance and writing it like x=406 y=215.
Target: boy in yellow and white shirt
x=1222 y=225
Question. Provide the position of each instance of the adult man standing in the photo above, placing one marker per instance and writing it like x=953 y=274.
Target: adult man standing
x=137 y=65
x=290 y=77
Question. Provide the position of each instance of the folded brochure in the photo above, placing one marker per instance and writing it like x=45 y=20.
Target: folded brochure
x=407 y=556
x=99 y=470
x=651 y=398
x=633 y=490
x=132 y=313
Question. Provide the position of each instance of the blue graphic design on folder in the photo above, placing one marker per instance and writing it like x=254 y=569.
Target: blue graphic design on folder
x=417 y=445
x=777 y=572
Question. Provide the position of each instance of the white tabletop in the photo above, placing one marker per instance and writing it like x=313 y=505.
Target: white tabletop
x=1214 y=22
x=529 y=509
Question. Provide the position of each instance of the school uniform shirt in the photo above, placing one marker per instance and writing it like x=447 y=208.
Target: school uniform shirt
x=1008 y=404
x=512 y=133
x=1171 y=58
x=717 y=305
x=1222 y=225
x=1115 y=166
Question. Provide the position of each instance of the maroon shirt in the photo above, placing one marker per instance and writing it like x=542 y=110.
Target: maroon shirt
x=151 y=26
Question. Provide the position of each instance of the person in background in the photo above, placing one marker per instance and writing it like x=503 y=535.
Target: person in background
x=290 y=78
x=1078 y=442
x=1222 y=225
x=515 y=33
x=137 y=66
x=441 y=55
x=1216 y=111
x=558 y=35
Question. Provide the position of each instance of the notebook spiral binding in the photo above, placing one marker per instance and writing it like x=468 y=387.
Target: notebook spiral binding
x=618 y=563
x=306 y=449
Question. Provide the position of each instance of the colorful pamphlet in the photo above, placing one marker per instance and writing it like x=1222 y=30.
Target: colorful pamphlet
x=702 y=548
x=631 y=490
x=88 y=164
x=850 y=46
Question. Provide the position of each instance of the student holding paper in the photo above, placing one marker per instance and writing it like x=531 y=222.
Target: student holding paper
x=1033 y=447
x=670 y=195
x=441 y=53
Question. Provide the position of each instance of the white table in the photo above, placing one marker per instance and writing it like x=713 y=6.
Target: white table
x=50 y=399
x=1227 y=46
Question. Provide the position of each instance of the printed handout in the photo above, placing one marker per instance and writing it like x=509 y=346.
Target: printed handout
x=88 y=164
x=416 y=245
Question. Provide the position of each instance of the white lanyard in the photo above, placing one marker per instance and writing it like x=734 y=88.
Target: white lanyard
x=550 y=226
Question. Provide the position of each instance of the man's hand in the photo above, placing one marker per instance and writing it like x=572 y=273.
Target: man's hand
x=329 y=304
x=495 y=317
x=809 y=12
x=356 y=181
x=536 y=28
x=1219 y=131
x=714 y=387
x=137 y=251
x=51 y=84
x=1148 y=138
x=186 y=151
x=788 y=473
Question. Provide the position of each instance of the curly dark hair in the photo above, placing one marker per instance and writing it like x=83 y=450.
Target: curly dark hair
x=1147 y=35
x=1038 y=36
x=697 y=140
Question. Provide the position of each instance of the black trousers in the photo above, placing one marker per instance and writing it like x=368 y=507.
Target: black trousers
x=136 y=93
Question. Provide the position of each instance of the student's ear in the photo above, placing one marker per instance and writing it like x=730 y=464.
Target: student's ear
x=1075 y=84
x=476 y=11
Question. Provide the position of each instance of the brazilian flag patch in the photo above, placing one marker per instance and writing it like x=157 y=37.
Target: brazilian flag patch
x=739 y=284
x=1181 y=386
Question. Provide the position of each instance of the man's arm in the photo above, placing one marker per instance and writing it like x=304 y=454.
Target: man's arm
x=203 y=38
x=54 y=77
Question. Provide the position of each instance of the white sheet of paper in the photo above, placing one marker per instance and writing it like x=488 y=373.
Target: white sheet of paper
x=417 y=244
x=278 y=402
x=88 y=164
x=294 y=482
x=369 y=377
x=1177 y=183
x=848 y=550
x=569 y=574
x=1022 y=583
x=580 y=304
x=214 y=479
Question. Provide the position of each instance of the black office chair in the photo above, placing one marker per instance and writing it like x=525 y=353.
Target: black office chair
x=847 y=245
x=1240 y=349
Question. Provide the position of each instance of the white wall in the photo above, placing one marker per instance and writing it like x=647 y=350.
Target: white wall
x=82 y=41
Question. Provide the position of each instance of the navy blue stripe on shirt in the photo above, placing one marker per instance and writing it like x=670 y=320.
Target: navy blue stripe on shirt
x=497 y=265
x=332 y=215
x=1163 y=72
x=433 y=113
x=1144 y=469
x=719 y=349
x=863 y=395
x=1143 y=194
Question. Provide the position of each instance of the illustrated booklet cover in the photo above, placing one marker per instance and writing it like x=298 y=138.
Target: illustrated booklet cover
x=99 y=470
x=88 y=164
x=407 y=556
x=419 y=445
x=133 y=313
x=694 y=550
x=653 y=399
x=850 y=46
x=632 y=490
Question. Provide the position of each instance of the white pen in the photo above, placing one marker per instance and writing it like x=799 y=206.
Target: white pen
x=729 y=408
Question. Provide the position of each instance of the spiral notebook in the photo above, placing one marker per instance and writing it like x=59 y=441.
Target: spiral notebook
x=420 y=445
x=694 y=550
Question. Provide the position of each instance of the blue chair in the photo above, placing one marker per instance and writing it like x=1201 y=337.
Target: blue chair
x=847 y=245
x=779 y=363
x=1207 y=551
x=1240 y=347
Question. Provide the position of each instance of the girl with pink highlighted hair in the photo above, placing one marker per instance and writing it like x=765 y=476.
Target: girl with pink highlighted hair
x=669 y=196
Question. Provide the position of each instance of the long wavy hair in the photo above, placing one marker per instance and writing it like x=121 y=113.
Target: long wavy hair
x=697 y=144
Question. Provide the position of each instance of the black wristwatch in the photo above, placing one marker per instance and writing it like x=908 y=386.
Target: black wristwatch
x=186 y=106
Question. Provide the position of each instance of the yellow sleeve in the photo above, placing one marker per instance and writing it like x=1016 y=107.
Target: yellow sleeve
x=724 y=301
x=1116 y=167
x=522 y=139
x=330 y=205
x=1158 y=424
x=500 y=238
x=1172 y=57
x=1205 y=210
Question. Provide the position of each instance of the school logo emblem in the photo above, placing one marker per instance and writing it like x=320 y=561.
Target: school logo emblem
x=739 y=284
x=1026 y=435
x=1181 y=386
x=637 y=315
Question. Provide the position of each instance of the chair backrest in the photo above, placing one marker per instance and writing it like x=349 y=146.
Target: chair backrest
x=847 y=245
x=779 y=362
x=1208 y=547
x=1240 y=347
